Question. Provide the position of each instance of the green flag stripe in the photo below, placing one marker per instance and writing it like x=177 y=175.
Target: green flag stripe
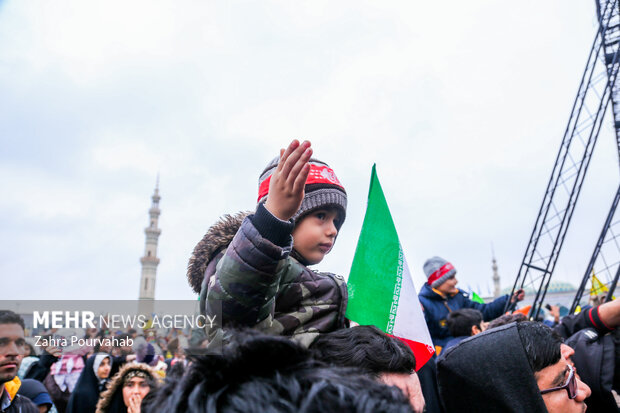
x=375 y=274
x=398 y=282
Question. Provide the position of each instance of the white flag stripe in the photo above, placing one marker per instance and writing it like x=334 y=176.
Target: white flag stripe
x=410 y=321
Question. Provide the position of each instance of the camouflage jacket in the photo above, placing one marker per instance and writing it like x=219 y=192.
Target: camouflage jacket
x=259 y=284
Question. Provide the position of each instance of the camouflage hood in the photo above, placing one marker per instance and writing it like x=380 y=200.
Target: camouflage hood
x=217 y=239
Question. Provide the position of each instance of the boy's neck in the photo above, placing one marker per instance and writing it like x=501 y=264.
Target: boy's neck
x=295 y=254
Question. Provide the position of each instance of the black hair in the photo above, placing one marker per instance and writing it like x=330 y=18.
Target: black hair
x=263 y=373
x=365 y=347
x=541 y=344
x=507 y=319
x=461 y=321
x=9 y=317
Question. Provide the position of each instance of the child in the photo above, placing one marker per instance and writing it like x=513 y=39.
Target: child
x=439 y=297
x=255 y=265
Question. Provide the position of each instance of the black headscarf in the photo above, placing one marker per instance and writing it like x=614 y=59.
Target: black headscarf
x=86 y=392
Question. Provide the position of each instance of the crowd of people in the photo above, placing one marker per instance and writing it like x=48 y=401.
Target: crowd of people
x=285 y=344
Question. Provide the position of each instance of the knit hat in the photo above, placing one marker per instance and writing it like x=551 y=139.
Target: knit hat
x=322 y=189
x=438 y=271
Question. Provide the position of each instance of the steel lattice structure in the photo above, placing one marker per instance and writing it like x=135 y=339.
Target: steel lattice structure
x=605 y=261
x=596 y=90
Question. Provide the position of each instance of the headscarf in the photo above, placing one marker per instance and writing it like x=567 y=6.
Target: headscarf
x=86 y=392
x=99 y=357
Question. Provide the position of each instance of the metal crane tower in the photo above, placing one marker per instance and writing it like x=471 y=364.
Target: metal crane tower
x=597 y=88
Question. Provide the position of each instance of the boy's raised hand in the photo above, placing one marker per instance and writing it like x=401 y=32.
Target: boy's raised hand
x=286 y=188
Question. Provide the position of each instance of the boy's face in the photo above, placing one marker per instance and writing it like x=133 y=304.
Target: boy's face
x=314 y=236
x=449 y=286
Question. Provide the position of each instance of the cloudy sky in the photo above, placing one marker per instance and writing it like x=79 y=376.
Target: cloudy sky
x=462 y=106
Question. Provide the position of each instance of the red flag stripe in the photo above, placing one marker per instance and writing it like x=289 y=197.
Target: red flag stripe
x=421 y=351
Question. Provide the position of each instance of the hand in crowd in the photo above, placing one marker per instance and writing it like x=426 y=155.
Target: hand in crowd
x=134 y=404
x=54 y=351
x=286 y=187
x=518 y=295
x=555 y=312
x=610 y=313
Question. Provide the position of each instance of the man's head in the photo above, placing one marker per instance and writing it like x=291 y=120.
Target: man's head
x=441 y=275
x=364 y=347
x=552 y=371
x=12 y=344
x=322 y=211
x=386 y=358
x=269 y=373
x=507 y=319
x=505 y=369
x=567 y=351
x=465 y=322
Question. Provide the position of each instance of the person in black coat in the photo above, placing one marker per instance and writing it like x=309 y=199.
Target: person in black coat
x=91 y=383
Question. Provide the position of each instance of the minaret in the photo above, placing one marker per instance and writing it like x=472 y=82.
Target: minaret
x=149 y=260
x=496 y=289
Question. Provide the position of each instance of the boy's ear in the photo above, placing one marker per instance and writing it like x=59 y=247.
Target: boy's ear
x=475 y=330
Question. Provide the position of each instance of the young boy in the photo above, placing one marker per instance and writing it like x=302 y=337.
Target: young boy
x=255 y=265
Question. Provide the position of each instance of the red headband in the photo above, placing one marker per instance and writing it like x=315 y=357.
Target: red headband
x=446 y=268
x=319 y=174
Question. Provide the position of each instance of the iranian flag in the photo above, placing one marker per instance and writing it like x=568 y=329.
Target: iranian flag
x=381 y=291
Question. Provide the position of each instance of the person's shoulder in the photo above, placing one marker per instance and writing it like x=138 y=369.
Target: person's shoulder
x=461 y=297
x=335 y=276
x=306 y=273
x=22 y=404
x=217 y=239
x=463 y=294
x=427 y=293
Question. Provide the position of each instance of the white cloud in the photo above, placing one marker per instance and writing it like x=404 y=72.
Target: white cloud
x=461 y=105
x=128 y=154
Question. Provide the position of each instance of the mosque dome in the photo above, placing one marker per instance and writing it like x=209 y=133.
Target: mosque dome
x=560 y=287
x=554 y=287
